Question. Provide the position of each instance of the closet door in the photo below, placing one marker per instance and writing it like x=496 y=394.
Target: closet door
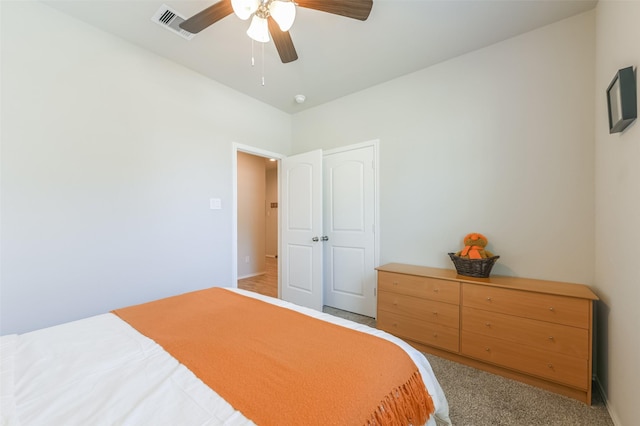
x=301 y=229
x=349 y=229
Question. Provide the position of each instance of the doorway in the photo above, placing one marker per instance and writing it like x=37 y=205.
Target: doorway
x=256 y=220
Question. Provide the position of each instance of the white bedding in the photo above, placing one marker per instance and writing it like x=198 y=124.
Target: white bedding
x=101 y=371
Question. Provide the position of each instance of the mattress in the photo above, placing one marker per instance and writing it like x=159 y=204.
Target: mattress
x=101 y=371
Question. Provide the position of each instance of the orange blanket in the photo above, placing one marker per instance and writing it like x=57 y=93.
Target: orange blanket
x=280 y=367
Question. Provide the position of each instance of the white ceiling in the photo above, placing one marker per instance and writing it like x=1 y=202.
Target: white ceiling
x=337 y=55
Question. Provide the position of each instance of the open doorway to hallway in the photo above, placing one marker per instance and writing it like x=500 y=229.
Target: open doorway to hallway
x=257 y=223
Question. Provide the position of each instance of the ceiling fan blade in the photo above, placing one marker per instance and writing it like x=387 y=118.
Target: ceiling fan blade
x=356 y=9
x=283 y=42
x=208 y=16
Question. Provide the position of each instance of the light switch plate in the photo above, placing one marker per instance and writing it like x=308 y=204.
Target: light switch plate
x=215 y=203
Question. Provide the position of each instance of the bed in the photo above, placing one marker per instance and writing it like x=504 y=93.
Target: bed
x=104 y=371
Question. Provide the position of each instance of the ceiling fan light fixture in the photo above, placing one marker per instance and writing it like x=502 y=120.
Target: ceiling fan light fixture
x=283 y=12
x=244 y=8
x=263 y=29
x=259 y=29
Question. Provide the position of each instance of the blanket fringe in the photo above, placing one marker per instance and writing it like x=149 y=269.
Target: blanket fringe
x=408 y=404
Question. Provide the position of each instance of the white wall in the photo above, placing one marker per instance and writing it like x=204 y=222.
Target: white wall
x=617 y=217
x=498 y=141
x=109 y=157
x=252 y=227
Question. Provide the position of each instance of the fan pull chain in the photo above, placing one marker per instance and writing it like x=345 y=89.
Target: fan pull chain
x=263 y=63
x=253 y=59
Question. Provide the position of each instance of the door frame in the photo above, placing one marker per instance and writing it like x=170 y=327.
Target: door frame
x=375 y=143
x=238 y=147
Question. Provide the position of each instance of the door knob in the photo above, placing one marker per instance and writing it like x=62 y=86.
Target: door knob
x=315 y=239
x=324 y=238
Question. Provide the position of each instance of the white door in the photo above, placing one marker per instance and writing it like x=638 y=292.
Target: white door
x=349 y=225
x=301 y=229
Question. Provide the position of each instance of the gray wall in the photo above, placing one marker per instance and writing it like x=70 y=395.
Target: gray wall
x=497 y=141
x=110 y=155
x=617 y=217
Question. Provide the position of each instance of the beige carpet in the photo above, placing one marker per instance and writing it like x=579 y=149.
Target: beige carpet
x=477 y=398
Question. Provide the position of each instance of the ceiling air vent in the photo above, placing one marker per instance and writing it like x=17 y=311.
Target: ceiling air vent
x=171 y=20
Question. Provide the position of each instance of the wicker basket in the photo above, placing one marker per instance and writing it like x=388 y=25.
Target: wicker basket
x=480 y=268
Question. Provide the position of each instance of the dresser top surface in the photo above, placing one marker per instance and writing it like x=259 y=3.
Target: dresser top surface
x=517 y=283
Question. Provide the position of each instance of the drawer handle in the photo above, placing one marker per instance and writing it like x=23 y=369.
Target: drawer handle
x=395 y=303
x=395 y=324
x=488 y=324
x=488 y=299
x=436 y=290
x=435 y=334
x=550 y=337
x=551 y=308
x=487 y=349
x=435 y=313
x=550 y=366
x=395 y=283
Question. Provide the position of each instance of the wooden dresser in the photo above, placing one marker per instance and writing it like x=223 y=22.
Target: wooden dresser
x=538 y=332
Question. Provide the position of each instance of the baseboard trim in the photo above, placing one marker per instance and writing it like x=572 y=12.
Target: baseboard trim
x=252 y=275
x=603 y=394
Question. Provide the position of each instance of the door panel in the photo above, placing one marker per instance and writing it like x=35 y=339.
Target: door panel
x=347 y=192
x=348 y=269
x=300 y=205
x=301 y=228
x=300 y=267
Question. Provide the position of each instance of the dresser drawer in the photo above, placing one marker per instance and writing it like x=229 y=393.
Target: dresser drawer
x=423 y=309
x=424 y=287
x=557 y=367
x=544 y=307
x=421 y=331
x=564 y=339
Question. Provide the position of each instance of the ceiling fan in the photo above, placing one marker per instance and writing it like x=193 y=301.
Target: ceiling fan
x=274 y=17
